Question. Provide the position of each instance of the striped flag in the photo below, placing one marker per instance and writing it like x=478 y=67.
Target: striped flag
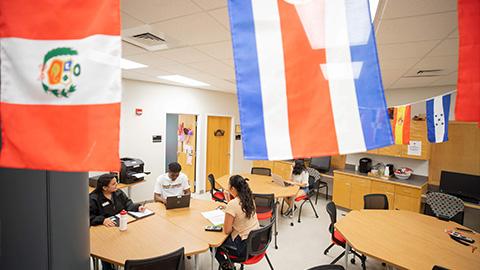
x=60 y=84
x=467 y=106
x=401 y=124
x=438 y=109
x=308 y=79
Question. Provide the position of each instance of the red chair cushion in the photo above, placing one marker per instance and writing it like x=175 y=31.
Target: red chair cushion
x=301 y=198
x=339 y=237
x=218 y=195
x=254 y=259
x=265 y=215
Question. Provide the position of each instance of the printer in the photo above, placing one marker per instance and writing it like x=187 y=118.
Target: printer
x=131 y=170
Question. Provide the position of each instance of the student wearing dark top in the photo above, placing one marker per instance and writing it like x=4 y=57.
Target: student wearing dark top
x=106 y=201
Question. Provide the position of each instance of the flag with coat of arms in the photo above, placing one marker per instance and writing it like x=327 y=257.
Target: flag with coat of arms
x=60 y=84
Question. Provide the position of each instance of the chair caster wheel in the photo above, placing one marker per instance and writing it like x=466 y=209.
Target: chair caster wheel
x=299 y=221
x=276 y=247
x=352 y=261
x=325 y=252
x=291 y=224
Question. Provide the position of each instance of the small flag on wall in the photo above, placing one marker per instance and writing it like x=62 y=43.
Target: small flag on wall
x=438 y=109
x=60 y=84
x=308 y=78
x=467 y=106
x=401 y=124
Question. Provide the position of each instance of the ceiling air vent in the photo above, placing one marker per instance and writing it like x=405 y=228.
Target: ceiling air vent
x=427 y=73
x=144 y=37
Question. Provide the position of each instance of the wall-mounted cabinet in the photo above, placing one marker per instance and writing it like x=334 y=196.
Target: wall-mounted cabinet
x=418 y=132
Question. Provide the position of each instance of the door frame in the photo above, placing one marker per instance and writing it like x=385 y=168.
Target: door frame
x=197 y=146
x=232 y=141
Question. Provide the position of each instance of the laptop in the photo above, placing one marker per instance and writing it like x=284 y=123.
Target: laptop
x=180 y=201
x=279 y=180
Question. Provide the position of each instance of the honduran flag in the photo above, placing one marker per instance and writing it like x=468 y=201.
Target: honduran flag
x=401 y=124
x=308 y=79
x=60 y=84
x=438 y=109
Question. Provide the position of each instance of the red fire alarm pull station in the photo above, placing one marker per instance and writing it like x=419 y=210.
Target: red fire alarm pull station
x=138 y=111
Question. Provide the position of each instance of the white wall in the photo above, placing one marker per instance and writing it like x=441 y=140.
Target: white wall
x=403 y=96
x=157 y=100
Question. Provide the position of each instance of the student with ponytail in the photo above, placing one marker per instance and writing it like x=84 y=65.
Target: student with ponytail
x=240 y=219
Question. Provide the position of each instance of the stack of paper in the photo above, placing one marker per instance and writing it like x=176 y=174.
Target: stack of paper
x=145 y=213
x=216 y=217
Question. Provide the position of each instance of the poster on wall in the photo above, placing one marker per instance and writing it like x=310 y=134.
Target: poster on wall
x=415 y=148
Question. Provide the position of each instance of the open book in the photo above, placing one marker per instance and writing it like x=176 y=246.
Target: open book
x=216 y=217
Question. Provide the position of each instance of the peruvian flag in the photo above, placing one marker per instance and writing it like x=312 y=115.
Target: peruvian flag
x=60 y=84
x=468 y=97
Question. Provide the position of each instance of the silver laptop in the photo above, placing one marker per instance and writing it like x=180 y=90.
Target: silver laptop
x=180 y=201
x=278 y=180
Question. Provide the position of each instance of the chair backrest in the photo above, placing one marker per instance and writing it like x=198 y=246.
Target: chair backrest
x=264 y=203
x=171 y=261
x=375 y=201
x=211 y=179
x=258 y=240
x=444 y=206
x=332 y=212
x=261 y=171
x=314 y=172
x=327 y=267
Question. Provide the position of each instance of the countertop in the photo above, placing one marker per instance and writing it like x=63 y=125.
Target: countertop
x=415 y=180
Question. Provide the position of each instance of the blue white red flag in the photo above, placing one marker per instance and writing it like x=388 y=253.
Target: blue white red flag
x=438 y=109
x=308 y=78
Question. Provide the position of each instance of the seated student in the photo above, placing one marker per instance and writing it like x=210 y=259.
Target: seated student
x=172 y=183
x=240 y=219
x=300 y=178
x=107 y=201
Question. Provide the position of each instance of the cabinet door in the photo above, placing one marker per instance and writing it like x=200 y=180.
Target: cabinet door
x=341 y=190
x=418 y=132
x=360 y=188
x=384 y=188
x=282 y=168
x=392 y=150
x=403 y=202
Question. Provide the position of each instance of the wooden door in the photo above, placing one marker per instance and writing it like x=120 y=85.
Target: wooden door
x=186 y=148
x=341 y=190
x=218 y=146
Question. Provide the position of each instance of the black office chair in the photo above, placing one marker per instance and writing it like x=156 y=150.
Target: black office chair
x=375 y=201
x=261 y=171
x=436 y=267
x=338 y=239
x=321 y=184
x=217 y=194
x=327 y=267
x=444 y=206
x=257 y=245
x=171 y=261
x=266 y=210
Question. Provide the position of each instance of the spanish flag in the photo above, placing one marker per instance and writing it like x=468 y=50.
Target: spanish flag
x=401 y=124
x=60 y=86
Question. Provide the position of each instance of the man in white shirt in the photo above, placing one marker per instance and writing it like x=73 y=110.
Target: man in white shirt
x=172 y=183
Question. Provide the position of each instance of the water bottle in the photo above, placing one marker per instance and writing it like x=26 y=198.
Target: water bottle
x=123 y=221
x=387 y=171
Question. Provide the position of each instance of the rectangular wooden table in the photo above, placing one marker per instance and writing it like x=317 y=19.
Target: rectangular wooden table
x=162 y=233
x=407 y=240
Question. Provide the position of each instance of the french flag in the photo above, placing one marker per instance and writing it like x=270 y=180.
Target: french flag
x=308 y=78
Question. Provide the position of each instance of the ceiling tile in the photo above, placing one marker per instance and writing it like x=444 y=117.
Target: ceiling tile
x=406 y=8
x=219 y=50
x=229 y=62
x=390 y=76
x=129 y=49
x=405 y=50
x=454 y=34
x=184 y=55
x=215 y=68
x=221 y=15
x=447 y=64
x=129 y=21
x=193 y=29
x=162 y=63
x=211 y=4
x=151 y=11
x=413 y=82
x=429 y=27
x=404 y=63
x=154 y=72
x=450 y=79
x=446 y=48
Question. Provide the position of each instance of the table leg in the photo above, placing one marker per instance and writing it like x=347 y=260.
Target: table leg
x=212 y=256
x=197 y=264
x=347 y=250
x=129 y=191
x=276 y=222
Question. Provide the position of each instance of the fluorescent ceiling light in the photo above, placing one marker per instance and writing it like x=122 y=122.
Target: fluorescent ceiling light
x=127 y=64
x=373 y=8
x=183 y=80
